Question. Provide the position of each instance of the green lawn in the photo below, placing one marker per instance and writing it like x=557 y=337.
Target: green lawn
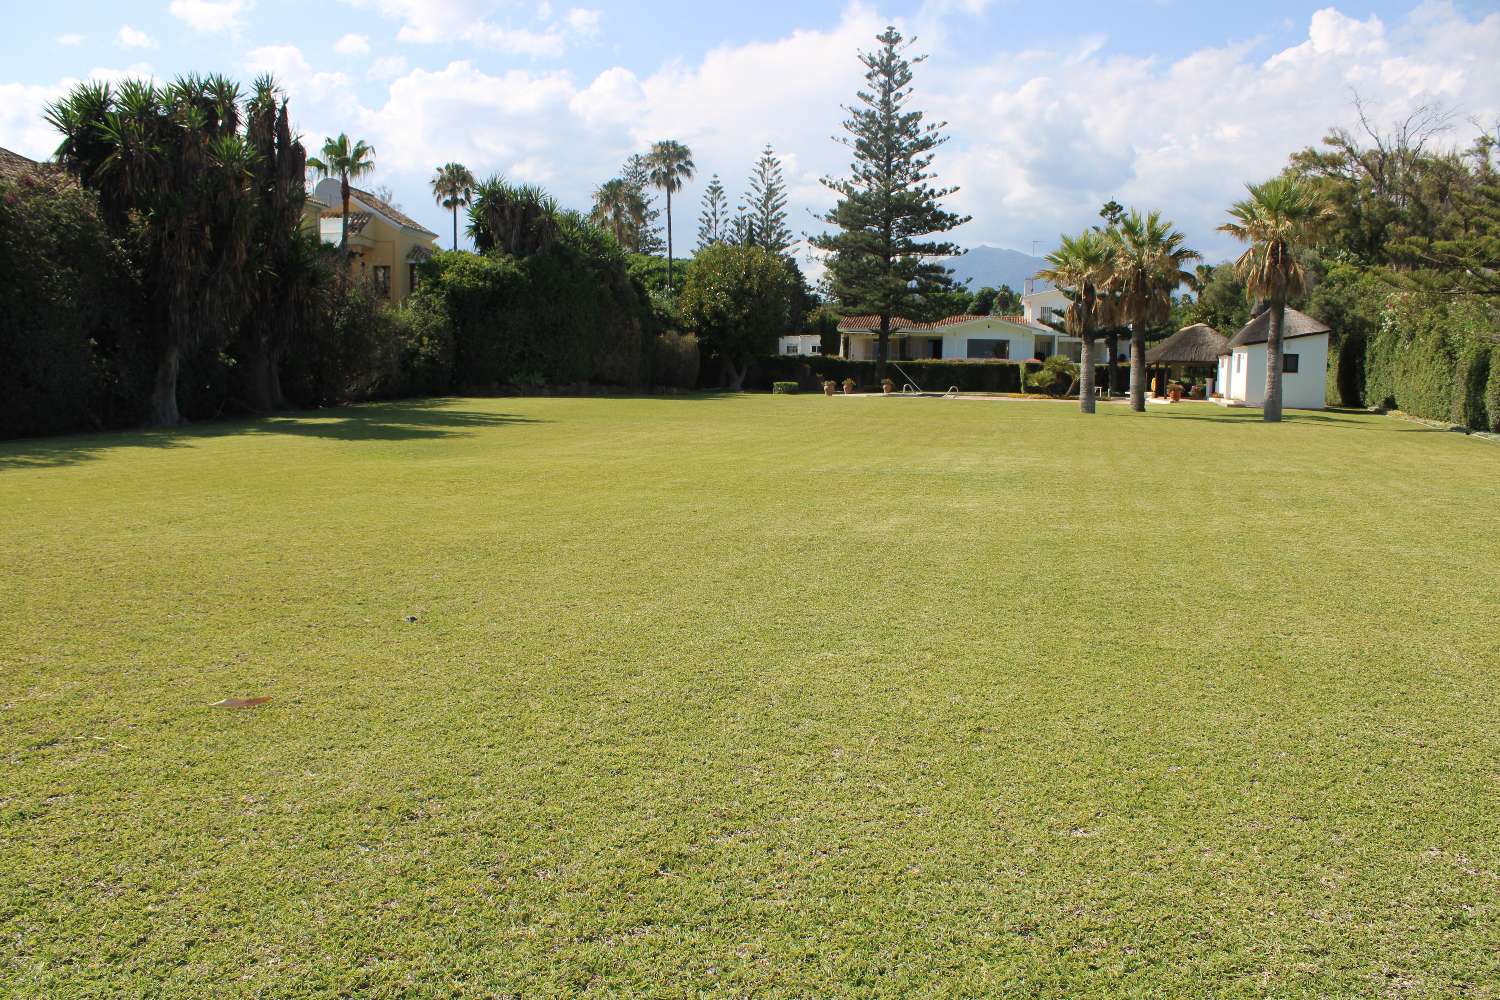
x=757 y=696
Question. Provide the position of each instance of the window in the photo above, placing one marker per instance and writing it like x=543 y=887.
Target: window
x=383 y=280
x=815 y=349
x=1239 y=362
x=1289 y=364
x=987 y=349
x=791 y=348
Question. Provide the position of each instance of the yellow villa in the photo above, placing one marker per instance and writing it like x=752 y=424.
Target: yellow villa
x=386 y=244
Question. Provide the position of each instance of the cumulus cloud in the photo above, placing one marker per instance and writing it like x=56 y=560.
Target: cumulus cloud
x=482 y=23
x=352 y=45
x=70 y=40
x=132 y=38
x=211 y=16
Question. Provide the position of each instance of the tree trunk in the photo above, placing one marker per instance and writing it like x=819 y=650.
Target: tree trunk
x=669 y=243
x=1271 y=412
x=344 y=232
x=1086 y=375
x=257 y=379
x=164 y=391
x=736 y=375
x=455 y=225
x=1112 y=342
x=882 y=348
x=1138 y=367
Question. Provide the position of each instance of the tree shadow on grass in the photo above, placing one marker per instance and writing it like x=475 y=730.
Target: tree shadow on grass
x=407 y=420
x=1251 y=416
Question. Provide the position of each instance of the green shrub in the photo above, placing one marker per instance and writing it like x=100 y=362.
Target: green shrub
x=1056 y=377
x=1430 y=357
x=784 y=388
x=676 y=361
x=68 y=350
x=1492 y=391
x=931 y=376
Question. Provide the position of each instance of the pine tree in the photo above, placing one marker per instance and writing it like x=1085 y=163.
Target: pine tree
x=713 y=223
x=878 y=261
x=768 y=204
x=636 y=173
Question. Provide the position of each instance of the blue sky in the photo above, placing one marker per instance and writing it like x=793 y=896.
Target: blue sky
x=1052 y=109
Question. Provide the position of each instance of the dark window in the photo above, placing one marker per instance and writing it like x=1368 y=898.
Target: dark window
x=382 y=280
x=1289 y=364
x=791 y=348
x=987 y=349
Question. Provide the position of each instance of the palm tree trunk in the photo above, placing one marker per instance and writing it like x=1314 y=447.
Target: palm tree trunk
x=1271 y=411
x=882 y=348
x=164 y=411
x=455 y=225
x=1138 y=367
x=344 y=234
x=1086 y=375
x=1112 y=343
x=669 y=241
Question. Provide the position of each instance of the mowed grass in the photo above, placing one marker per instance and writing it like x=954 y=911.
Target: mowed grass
x=756 y=696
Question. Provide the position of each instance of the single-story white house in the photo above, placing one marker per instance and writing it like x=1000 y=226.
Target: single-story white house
x=960 y=338
x=1304 y=363
x=801 y=344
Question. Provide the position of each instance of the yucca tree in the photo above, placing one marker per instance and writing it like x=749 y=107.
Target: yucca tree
x=1150 y=262
x=520 y=220
x=670 y=164
x=174 y=179
x=453 y=188
x=1281 y=217
x=347 y=160
x=619 y=208
x=1079 y=266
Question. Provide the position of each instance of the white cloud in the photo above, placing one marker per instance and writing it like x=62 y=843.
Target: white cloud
x=584 y=21
x=70 y=40
x=211 y=16
x=131 y=38
x=474 y=22
x=387 y=67
x=352 y=45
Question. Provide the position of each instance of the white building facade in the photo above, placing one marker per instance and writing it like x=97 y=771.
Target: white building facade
x=1304 y=364
x=961 y=338
x=803 y=344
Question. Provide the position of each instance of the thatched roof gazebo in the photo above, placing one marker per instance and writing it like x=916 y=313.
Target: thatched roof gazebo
x=1195 y=347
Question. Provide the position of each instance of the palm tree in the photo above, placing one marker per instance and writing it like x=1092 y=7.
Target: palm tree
x=670 y=163
x=1079 y=266
x=619 y=208
x=1150 y=262
x=453 y=188
x=347 y=161
x=1280 y=217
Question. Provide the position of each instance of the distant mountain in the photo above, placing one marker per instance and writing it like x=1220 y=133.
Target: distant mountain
x=995 y=266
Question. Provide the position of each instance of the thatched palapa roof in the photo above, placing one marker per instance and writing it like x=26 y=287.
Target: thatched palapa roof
x=1297 y=324
x=1199 y=344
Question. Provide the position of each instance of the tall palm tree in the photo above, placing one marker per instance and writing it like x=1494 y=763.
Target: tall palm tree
x=1150 y=263
x=1281 y=217
x=670 y=163
x=453 y=188
x=347 y=161
x=1079 y=267
x=619 y=208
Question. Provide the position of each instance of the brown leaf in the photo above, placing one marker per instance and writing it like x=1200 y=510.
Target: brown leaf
x=241 y=702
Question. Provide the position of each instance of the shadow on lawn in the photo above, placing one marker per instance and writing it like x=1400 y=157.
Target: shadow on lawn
x=407 y=420
x=1330 y=417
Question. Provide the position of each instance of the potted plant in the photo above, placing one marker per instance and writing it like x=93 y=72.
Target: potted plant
x=829 y=386
x=1174 y=392
x=849 y=386
x=888 y=386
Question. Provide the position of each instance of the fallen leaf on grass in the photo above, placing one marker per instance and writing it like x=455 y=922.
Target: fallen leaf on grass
x=241 y=702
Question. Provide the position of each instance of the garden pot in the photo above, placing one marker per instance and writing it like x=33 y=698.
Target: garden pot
x=849 y=388
x=888 y=386
x=1174 y=394
x=829 y=387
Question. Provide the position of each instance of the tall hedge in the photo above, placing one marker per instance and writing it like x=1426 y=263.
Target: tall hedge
x=68 y=349
x=566 y=314
x=1433 y=357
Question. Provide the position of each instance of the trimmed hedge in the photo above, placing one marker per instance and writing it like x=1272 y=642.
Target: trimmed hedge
x=1434 y=359
x=932 y=376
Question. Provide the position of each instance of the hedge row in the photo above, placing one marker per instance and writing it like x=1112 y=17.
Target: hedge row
x=931 y=376
x=1436 y=359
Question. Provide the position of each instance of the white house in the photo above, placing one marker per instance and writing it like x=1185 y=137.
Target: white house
x=801 y=344
x=1044 y=307
x=1304 y=363
x=959 y=338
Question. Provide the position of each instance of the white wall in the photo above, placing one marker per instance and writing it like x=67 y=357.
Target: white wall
x=1305 y=389
x=1033 y=304
x=800 y=344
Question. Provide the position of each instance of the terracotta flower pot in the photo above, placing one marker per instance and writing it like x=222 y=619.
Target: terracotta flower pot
x=829 y=387
x=848 y=387
x=887 y=386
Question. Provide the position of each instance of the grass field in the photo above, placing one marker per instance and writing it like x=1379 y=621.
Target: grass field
x=756 y=696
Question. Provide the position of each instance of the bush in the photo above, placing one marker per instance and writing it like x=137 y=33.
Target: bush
x=784 y=388
x=931 y=376
x=69 y=354
x=1492 y=391
x=676 y=361
x=1431 y=358
x=1056 y=377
